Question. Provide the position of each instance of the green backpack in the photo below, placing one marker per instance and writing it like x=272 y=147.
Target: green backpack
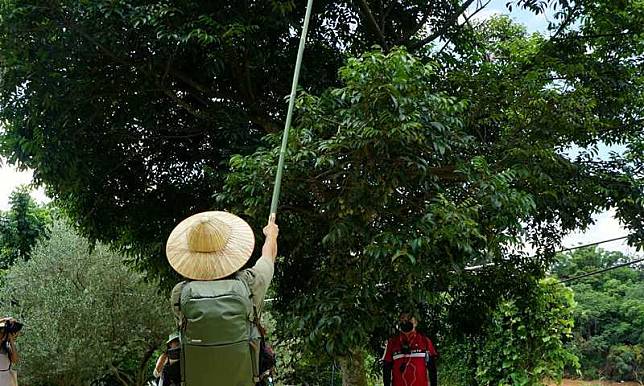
x=219 y=340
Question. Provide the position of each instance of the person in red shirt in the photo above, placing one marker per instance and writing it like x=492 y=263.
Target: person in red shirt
x=410 y=357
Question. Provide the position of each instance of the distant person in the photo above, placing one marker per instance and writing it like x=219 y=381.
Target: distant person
x=410 y=357
x=168 y=368
x=9 y=328
x=219 y=305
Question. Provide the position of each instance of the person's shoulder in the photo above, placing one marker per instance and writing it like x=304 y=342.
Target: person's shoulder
x=424 y=336
x=179 y=285
x=395 y=338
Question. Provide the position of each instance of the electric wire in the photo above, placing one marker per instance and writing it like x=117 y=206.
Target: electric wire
x=597 y=272
x=476 y=267
x=592 y=244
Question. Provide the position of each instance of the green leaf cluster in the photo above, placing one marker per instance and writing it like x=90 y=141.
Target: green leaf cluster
x=21 y=227
x=525 y=343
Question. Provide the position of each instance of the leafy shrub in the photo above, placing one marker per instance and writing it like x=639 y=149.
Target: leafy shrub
x=525 y=343
x=86 y=315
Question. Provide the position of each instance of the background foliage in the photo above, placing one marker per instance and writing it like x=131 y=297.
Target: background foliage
x=609 y=317
x=21 y=227
x=87 y=317
x=525 y=343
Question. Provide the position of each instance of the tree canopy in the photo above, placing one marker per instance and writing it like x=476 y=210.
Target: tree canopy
x=122 y=108
x=21 y=227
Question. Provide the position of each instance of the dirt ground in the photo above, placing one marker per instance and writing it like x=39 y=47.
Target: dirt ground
x=569 y=382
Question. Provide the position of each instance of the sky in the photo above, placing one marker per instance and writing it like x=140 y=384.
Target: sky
x=11 y=178
x=606 y=226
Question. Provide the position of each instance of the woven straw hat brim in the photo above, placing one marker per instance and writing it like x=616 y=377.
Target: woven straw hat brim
x=210 y=265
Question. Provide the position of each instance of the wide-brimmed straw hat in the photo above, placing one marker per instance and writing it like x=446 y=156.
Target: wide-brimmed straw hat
x=210 y=245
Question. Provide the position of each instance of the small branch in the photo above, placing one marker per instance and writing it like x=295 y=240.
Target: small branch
x=566 y=22
x=595 y=36
x=183 y=104
x=122 y=378
x=144 y=361
x=447 y=173
x=448 y=23
x=374 y=24
x=466 y=22
x=417 y=28
x=269 y=125
x=385 y=15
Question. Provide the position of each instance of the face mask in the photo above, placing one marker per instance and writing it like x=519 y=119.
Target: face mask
x=174 y=353
x=406 y=326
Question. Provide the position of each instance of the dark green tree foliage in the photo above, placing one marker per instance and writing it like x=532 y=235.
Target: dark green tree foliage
x=122 y=107
x=609 y=318
x=387 y=201
x=21 y=227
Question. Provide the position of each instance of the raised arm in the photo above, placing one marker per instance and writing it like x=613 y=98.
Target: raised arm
x=271 y=231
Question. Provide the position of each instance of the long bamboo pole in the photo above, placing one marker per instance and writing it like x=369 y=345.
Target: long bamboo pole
x=289 y=115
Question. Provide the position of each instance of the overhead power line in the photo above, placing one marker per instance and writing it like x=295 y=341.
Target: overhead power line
x=601 y=270
x=476 y=267
x=592 y=244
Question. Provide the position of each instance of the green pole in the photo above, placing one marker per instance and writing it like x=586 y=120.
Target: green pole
x=289 y=115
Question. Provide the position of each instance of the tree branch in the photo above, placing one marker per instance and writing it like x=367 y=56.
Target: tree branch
x=373 y=23
x=467 y=22
x=595 y=36
x=416 y=28
x=124 y=379
x=448 y=23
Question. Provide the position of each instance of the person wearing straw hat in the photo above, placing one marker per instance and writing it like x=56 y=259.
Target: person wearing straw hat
x=218 y=298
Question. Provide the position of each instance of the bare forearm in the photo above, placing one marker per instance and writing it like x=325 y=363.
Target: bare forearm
x=270 y=248
x=271 y=230
x=158 y=369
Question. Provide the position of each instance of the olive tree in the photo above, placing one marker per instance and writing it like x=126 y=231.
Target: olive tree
x=87 y=316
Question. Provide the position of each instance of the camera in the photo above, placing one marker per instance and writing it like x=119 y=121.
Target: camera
x=9 y=326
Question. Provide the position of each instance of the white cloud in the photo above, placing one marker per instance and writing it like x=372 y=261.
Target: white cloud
x=606 y=227
x=533 y=22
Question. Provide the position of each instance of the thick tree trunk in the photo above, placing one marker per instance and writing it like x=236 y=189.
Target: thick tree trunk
x=353 y=369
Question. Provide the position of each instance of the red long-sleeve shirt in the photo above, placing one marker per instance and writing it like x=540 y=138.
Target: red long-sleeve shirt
x=408 y=357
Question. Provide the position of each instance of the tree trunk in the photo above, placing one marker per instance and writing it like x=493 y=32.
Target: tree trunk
x=353 y=370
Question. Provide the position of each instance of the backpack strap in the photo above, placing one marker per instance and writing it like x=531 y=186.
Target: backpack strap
x=175 y=302
x=254 y=346
x=257 y=319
